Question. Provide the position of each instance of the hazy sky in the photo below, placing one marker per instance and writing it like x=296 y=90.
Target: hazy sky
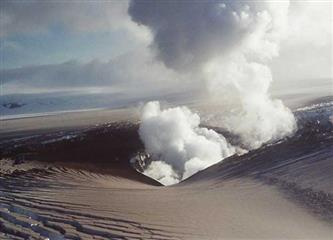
x=48 y=32
x=67 y=44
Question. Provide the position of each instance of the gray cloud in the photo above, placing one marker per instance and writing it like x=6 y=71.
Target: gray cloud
x=37 y=16
x=132 y=71
x=70 y=73
x=189 y=33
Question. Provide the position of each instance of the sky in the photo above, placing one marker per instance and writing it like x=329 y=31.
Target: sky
x=60 y=45
x=51 y=32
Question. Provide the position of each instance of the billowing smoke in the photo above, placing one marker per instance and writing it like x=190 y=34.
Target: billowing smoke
x=188 y=34
x=228 y=44
x=173 y=137
x=256 y=117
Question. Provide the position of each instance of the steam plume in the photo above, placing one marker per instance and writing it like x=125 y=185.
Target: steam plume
x=189 y=34
x=173 y=137
x=228 y=44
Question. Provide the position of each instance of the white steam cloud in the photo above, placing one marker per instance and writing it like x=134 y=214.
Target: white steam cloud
x=257 y=118
x=228 y=44
x=173 y=137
